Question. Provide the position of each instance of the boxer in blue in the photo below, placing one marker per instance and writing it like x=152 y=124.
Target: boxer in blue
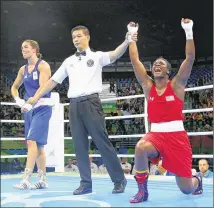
x=34 y=74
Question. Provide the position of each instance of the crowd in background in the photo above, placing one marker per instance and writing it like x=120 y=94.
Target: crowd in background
x=193 y=122
x=124 y=87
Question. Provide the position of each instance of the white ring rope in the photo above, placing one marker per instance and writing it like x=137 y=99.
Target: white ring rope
x=123 y=117
x=98 y=155
x=131 y=156
x=131 y=96
x=204 y=133
x=118 y=117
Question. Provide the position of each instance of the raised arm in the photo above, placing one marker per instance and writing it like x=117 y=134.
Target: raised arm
x=118 y=52
x=121 y=49
x=111 y=56
x=185 y=69
x=139 y=69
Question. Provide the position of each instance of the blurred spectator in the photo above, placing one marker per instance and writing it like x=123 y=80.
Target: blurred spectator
x=102 y=169
x=194 y=172
x=129 y=86
x=125 y=165
x=70 y=167
x=153 y=169
x=112 y=85
x=126 y=121
x=5 y=166
x=17 y=165
x=94 y=168
x=204 y=168
x=161 y=171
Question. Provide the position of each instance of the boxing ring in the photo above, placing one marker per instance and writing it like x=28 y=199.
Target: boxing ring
x=163 y=191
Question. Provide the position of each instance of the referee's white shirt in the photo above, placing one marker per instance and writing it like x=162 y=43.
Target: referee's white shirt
x=84 y=72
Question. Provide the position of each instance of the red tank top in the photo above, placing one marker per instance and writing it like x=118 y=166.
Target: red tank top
x=164 y=108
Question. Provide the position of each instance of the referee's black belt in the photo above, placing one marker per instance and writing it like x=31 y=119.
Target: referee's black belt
x=82 y=98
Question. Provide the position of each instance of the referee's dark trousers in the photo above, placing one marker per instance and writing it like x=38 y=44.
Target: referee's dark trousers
x=87 y=118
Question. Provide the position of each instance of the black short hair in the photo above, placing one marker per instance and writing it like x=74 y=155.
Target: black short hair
x=81 y=27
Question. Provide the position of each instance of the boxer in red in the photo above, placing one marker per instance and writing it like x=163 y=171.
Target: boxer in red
x=167 y=138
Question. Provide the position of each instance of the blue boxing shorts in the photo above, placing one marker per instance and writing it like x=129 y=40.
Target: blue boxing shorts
x=37 y=124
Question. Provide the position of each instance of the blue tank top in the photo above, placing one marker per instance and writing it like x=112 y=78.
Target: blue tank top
x=31 y=82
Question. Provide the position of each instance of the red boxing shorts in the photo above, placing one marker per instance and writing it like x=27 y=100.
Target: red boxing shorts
x=175 y=150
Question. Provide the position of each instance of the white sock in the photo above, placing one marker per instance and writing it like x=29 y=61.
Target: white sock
x=27 y=173
x=42 y=175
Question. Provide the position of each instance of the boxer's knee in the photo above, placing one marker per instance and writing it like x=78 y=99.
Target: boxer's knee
x=145 y=147
x=185 y=184
x=141 y=147
x=41 y=152
x=186 y=190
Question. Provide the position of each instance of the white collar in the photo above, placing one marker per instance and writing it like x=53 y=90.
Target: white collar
x=88 y=50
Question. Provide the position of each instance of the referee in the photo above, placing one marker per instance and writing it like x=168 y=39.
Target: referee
x=84 y=70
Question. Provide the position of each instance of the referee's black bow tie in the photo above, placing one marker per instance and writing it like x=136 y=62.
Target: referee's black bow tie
x=83 y=53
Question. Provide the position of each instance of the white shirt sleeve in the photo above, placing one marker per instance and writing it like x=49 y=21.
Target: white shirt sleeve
x=104 y=58
x=60 y=74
